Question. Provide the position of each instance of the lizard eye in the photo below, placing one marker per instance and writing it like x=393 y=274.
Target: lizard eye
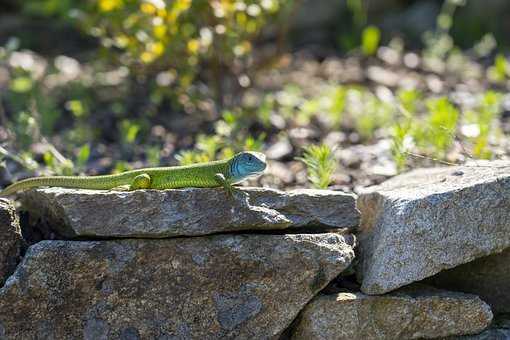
x=250 y=158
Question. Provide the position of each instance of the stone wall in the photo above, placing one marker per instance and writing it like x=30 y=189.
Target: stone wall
x=428 y=259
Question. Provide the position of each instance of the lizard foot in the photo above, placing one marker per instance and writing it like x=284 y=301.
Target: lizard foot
x=222 y=181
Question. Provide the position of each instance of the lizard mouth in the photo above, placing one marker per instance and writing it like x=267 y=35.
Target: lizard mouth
x=255 y=174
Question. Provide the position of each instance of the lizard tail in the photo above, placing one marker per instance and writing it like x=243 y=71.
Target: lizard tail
x=92 y=182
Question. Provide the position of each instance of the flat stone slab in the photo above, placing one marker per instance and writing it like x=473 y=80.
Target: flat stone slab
x=487 y=277
x=210 y=287
x=413 y=312
x=420 y=223
x=187 y=212
x=11 y=241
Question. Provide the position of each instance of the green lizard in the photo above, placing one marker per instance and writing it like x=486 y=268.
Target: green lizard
x=222 y=173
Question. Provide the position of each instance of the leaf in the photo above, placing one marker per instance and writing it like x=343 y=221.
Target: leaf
x=22 y=84
x=370 y=40
x=83 y=155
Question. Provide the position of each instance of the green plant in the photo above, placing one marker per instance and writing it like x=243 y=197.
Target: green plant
x=129 y=131
x=232 y=131
x=409 y=99
x=401 y=131
x=152 y=154
x=207 y=148
x=439 y=126
x=398 y=148
x=336 y=110
x=121 y=166
x=265 y=109
x=439 y=43
x=367 y=112
x=188 y=157
x=484 y=120
x=56 y=162
x=351 y=39
x=231 y=137
x=330 y=104
x=170 y=41
x=370 y=39
x=500 y=70
x=28 y=94
x=320 y=165
x=358 y=10
x=83 y=156
x=254 y=143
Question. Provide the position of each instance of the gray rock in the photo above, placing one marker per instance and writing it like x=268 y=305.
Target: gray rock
x=413 y=312
x=499 y=330
x=187 y=212
x=487 y=277
x=280 y=149
x=211 y=287
x=418 y=224
x=11 y=241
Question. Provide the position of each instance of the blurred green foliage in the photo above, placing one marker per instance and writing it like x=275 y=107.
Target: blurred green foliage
x=370 y=40
x=500 y=71
x=230 y=137
x=171 y=43
x=154 y=57
x=164 y=59
x=483 y=121
x=440 y=126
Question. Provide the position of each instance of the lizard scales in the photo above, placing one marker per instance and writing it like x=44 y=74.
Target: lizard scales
x=201 y=175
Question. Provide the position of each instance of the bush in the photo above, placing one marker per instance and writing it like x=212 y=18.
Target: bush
x=171 y=43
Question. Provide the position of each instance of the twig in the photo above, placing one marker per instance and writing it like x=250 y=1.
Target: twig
x=430 y=158
x=51 y=148
x=5 y=153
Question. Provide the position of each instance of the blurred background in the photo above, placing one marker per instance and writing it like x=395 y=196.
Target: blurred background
x=339 y=94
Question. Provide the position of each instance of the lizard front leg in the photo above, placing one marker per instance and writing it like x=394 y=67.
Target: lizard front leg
x=142 y=181
x=223 y=182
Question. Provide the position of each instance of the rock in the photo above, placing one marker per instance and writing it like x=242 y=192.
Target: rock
x=11 y=241
x=418 y=224
x=279 y=172
x=279 y=150
x=487 y=277
x=211 y=287
x=499 y=330
x=413 y=312
x=187 y=212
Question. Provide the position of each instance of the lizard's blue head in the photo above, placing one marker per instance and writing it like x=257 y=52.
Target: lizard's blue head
x=247 y=164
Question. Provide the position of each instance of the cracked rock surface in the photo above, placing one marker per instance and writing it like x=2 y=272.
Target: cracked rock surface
x=187 y=212
x=210 y=287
